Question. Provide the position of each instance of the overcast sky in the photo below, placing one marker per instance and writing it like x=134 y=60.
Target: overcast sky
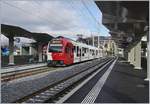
x=56 y=17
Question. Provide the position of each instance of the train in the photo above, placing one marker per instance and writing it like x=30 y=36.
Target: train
x=63 y=51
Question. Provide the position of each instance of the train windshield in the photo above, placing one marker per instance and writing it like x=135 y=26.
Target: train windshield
x=55 y=48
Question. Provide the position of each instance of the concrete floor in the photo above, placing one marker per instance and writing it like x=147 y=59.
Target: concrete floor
x=124 y=85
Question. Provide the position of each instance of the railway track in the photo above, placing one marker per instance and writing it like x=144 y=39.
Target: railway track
x=9 y=76
x=50 y=93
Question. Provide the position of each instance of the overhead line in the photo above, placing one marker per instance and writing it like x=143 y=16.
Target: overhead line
x=90 y=13
x=83 y=13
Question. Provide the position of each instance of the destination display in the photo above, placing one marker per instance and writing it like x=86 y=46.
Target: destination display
x=56 y=42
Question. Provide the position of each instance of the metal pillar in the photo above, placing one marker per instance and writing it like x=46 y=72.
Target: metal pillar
x=40 y=52
x=134 y=56
x=137 y=56
x=131 y=56
x=11 y=51
x=21 y=50
x=30 y=50
x=93 y=40
x=98 y=42
x=33 y=51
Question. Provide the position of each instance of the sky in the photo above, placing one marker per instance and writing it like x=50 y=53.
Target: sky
x=55 y=17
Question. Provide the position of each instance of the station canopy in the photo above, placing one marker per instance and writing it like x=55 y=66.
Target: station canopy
x=16 y=31
x=126 y=20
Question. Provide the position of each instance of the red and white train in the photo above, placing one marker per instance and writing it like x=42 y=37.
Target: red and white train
x=63 y=51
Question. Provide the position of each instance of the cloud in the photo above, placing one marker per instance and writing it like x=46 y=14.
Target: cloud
x=31 y=15
x=51 y=16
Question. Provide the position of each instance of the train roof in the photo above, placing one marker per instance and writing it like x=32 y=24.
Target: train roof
x=83 y=45
x=79 y=44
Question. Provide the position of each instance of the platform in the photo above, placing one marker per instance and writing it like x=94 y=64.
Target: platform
x=124 y=85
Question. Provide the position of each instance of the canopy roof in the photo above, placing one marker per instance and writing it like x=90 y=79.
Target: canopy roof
x=16 y=31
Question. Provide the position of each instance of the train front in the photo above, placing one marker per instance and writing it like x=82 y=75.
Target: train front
x=55 y=52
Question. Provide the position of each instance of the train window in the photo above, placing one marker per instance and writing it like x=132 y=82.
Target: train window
x=80 y=52
x=67 y=49
x=74 y=49
x=83 y=51
x=55 y=49
x=93 y=52
x=90 y=51
x=87 y=50
x=77 y=50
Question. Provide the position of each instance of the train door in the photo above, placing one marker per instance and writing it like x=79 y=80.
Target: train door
x=84 y=54
x=69 y=54
x=80 y=54
x=96 y=53
x=88 y=53
x=76 y=57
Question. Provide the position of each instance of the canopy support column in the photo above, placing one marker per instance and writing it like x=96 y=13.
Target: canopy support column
x=137 y=56
x=40 y=52
x=11 y=51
